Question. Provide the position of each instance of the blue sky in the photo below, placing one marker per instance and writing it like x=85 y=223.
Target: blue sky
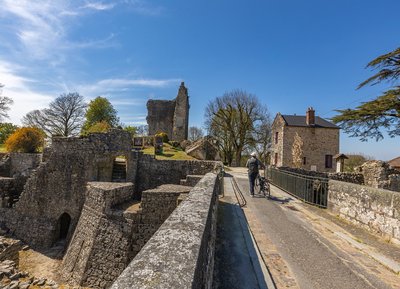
x=292 y=54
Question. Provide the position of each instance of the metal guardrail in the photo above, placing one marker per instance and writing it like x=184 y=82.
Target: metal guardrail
x=312 y=190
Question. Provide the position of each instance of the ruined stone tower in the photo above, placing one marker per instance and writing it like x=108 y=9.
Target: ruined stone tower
x=170 y=116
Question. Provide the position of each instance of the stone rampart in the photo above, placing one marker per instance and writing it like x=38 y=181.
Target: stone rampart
x=181 y=253
x=375 y=209
x=99 y=249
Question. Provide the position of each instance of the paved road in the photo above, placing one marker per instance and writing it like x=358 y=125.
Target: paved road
x=313 y=260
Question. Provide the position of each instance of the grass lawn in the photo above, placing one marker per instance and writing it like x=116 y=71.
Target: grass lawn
x=169 y=153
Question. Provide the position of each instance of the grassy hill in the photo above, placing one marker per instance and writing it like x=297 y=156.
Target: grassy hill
x=169 y=153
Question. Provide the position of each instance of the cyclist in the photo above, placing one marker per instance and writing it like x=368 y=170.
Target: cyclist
x=253 y=165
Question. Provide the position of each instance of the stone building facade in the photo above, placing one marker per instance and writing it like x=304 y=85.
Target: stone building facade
x=320 y=140
x=170 y=116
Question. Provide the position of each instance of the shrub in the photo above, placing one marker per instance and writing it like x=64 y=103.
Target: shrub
x=101 y=126
x=163 y=135
x=25 y=140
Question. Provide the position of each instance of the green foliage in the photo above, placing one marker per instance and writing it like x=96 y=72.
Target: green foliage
x=354 y=161
x=164 y=136
x=100 y=110
x=25 y=140
x=131 y=129
x=368 y=119
x=101 y=126
x=6 y=129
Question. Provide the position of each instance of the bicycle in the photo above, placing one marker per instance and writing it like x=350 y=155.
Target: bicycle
x=262 y=186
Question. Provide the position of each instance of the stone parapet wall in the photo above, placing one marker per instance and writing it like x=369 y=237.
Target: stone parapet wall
x=181 y=253
x=375 y=209
x=344 y=177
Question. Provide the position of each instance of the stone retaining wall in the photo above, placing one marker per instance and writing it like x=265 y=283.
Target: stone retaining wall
x=181 y=253
x=375 y=209
x=153 y=173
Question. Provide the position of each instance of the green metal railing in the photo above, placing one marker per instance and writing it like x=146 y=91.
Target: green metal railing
x=312 y=190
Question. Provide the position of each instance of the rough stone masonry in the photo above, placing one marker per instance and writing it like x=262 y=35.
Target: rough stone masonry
x=170 y=116
x=71 y=197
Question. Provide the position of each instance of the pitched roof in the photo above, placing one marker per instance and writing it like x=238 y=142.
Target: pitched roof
x=395 y=162
x=300 y=120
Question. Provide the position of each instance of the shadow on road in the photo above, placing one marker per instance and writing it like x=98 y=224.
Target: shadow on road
x=236 y=266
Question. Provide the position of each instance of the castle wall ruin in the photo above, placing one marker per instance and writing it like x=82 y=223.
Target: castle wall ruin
x=170 y=116
x=71 y=195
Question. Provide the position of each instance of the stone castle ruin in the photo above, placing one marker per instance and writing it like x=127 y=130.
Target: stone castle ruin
x=170 y=116
x=99 y=199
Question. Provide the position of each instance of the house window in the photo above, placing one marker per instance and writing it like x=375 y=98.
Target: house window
x=276 y=137
x=276 y=159
x=304 y=160
x=328 y=161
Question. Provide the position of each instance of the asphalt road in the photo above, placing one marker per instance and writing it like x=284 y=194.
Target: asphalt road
x=313 y=260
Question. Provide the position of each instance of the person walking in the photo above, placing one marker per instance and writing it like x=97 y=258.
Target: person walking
x=253 y=165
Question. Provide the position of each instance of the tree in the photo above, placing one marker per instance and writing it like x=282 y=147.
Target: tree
x=100 y=109
x=232 y=119
x=368 y=119
x=262 y=139
x=6 y=129
x=25 y=140
x=195 y=133
x=142 y=130
x=131 y=129
x=5 y=103
x=355 y=160
x=297 y=151
x=64 y=117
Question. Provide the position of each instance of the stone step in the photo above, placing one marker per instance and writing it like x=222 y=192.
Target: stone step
x=191 y=180
x=119 y=171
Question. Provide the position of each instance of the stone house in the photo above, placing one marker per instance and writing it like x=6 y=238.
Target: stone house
x=395 y=163
x=319 y=141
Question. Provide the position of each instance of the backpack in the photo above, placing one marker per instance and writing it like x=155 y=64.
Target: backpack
x=252 y=165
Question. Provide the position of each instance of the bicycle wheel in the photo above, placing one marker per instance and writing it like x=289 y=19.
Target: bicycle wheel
x=257 y=187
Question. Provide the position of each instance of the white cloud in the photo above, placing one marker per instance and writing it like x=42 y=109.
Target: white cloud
x=19 y=89
x=99 y=6
x=122 y=84
x=39 y=25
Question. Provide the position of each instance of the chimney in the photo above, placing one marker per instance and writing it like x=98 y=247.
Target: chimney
x=310 y=116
